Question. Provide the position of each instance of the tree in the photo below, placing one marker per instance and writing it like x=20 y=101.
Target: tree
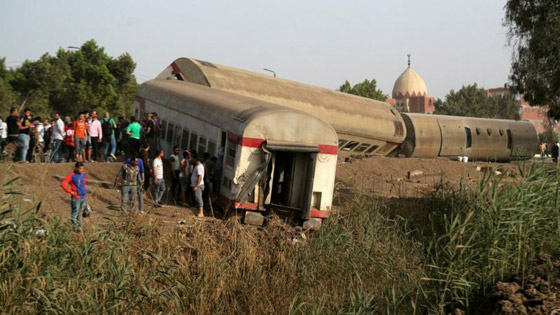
x=365 y=89
x=8 y=97
x=77 y=80
x=472 y=101
x=534 y=33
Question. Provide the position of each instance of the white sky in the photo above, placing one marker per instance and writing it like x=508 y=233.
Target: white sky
x=324 y=43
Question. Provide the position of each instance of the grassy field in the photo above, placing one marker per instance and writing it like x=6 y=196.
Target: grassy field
x=445 y=253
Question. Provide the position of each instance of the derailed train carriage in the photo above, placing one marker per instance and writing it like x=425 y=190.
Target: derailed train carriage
x=476 y=138
x=273 y=158
x=370 y=127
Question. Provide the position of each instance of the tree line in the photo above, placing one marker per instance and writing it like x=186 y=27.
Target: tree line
x=470 y=100
x=69 y=82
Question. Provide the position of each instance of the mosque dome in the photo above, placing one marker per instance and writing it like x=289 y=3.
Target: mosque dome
x=409 y=83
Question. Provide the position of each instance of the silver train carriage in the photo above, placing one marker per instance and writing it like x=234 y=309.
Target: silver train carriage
x=364 y=126
x=476 y=138
x=271 y=157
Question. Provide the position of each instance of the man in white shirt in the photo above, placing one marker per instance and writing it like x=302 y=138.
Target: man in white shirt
x=3 y=134
x=197 y=184
x=57 y=137
x=96 y=136
x=175 y=161
x=159 y=183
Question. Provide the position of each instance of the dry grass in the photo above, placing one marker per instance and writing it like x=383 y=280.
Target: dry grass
x=365 y=259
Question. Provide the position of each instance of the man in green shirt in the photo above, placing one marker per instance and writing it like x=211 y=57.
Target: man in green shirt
x=133 y=132
x=108 y=127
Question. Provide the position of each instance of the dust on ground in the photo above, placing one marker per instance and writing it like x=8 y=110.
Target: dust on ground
x=379 y=176
x=414 y=177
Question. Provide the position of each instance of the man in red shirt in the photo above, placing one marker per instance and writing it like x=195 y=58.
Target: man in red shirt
x=75 y=185
x=80 y=135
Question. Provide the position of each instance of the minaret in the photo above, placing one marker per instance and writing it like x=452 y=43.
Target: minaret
x=408 y=60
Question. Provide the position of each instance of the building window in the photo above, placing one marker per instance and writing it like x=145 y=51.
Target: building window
x=185 y=139
x=170 y=129
x=201 y=146
x=231 y=151
x=211 y=148
x=193 y=143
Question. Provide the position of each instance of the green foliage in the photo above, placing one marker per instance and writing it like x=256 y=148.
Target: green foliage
x=8 y=97
x=364 y=260
x=534 y=30
x=364 y=89
x=74 y=81
x=472 y=101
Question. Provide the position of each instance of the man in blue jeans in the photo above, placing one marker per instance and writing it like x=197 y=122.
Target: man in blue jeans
x=75 y=185
x=57 y=137
x=130 y=176
x=140 y=190
x=159 y=182
x=109 y=126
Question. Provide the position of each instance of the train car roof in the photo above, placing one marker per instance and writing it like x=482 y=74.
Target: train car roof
x=347 y=113
x=476 y=119
x=229 y=111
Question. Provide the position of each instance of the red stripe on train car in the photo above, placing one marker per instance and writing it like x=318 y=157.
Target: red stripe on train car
x=323 y=214
x=257 y=143
x=175 y=68
x=328 y=149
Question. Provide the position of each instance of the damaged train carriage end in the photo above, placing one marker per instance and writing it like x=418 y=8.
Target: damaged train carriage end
x=272 y=158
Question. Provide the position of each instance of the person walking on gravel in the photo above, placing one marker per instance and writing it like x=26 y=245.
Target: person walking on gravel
x=159 y=182
x=76 y=186
x=129 y=174
x=197 y=184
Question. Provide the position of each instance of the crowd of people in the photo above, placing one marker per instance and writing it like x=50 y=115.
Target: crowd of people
x=192 y=176
x=83 y=138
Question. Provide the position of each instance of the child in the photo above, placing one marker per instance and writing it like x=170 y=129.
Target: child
x=75 y=185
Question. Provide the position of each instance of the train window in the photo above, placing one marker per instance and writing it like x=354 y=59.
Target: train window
x=489 y=131
x=393 y=112
x=170 y=129
x=341 y=142
x=351 y=145
x=362 y=147
x=211 y=148
x=193 y=143
x=469 y=137
x=399 y=130
x=478 y=131
x=163 y=128
x=177 y=138
x=509 y=140
x=185 y=139
x=201 y=145
x=370 y=150
x=501 y=132
x=231 y=150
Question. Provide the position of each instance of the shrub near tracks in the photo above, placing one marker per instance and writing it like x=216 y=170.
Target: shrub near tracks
x=364 y=260
x=491 y=234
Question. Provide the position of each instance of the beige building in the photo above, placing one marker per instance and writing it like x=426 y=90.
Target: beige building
x=410 y=93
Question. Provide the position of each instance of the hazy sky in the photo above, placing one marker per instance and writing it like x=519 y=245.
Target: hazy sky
x=322 y=43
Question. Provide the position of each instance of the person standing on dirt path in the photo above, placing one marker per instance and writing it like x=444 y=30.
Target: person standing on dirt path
x=109 y=126
x=75 y=184
x=554 y=153
x=80 y=136
x=133 y=132
x=140 y=190
x=197 y=183
x=130 y=177
x=159 y=182
x=58 y=134
x=175 y=161
x=95 y=136
x=24 y=134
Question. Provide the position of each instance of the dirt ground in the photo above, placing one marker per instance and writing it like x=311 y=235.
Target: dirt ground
x=379 y=176
x=407 y=178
